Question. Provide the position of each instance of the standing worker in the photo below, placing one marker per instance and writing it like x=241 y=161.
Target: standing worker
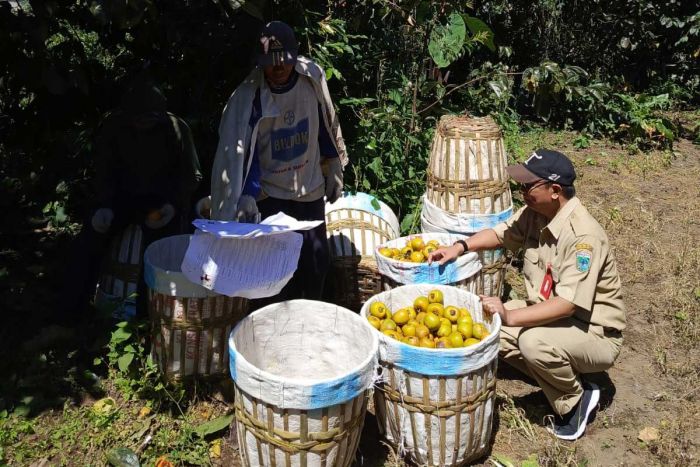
x=147 y=170
x=281 y=149
x=572 y=320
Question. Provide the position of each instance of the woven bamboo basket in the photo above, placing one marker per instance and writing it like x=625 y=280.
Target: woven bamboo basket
x=356 y=225
x=436 y=406
x=461 y=273
x=489 y=281
x=121 y=272
x=189 y=324
x=302 y=371
x=466 y=171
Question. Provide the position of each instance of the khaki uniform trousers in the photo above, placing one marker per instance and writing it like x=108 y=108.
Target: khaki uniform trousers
x=556 y=354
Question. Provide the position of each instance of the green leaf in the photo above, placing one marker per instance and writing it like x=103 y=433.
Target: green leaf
x=477 y=26
x=407 y=222
x=446 y=41
x=531 y=461
x=123 y=457
x=97 y=361
x=212 y=426
x=501 y=460
x=120 y=335
x=124 y=362
x=375 y=204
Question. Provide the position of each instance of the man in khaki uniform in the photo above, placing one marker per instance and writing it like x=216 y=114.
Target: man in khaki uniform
x=572 y=320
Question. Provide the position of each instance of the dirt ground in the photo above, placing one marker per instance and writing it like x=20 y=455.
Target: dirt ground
x=647 y=202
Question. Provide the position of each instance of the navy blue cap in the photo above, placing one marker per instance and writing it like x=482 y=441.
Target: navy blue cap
x=278 y=45
x=544 y=164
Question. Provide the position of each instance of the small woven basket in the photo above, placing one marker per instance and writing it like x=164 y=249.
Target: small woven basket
x=353 y=235
x=466 y=171
x=189 y=324
x=121 y=272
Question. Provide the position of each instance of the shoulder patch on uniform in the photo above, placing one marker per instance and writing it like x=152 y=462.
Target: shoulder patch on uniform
x=583 y=246
x=583 y=259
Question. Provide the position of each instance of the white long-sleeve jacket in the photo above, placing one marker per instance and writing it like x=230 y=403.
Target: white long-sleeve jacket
x=237 y=139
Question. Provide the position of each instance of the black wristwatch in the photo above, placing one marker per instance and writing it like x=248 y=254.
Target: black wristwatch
x=464 y=245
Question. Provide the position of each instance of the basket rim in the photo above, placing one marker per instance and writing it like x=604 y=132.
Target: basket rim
x=304 y=383
x=461 y=351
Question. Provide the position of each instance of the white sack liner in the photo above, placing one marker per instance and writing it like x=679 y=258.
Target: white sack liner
x=461 y=222
x=303 y=354
x=162 y=269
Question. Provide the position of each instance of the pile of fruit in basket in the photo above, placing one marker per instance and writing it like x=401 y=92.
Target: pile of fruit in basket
x=415 y=251
x=428 y=323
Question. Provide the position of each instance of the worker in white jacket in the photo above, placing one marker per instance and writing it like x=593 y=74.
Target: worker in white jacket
x=281 y=149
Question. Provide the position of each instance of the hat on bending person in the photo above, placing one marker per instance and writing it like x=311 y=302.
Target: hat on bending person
x=278 y=45
x=544 y=164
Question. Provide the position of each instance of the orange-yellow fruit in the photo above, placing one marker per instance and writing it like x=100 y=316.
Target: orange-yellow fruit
x=412 y=340
x=422 y=331
x=436 y=308
x=435 y=296
x=374 y=321
x=378 y=309
x=388 y=252
x=392 y=334
x=421 y=304
x=479 y=331
x=432 y=321
x=455 y=339
x=471 y=341
x=401 y=316
x=417 y=257
x=451 y=313
x=388 y=325
x=417 y=244
x=409 y=330
x=427 y=342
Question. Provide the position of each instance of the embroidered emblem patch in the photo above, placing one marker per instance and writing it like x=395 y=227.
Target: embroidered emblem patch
x=583 y=256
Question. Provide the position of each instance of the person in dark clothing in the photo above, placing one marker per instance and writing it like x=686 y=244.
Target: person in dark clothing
x=147 y=170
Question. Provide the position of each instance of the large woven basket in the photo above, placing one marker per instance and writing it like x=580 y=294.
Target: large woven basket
x=436 y=406
x=302 y=371
x=356 y=225
x=491 y=278
x=189 y=324
x=121 y=272
x=466 y=171
x=462 y=273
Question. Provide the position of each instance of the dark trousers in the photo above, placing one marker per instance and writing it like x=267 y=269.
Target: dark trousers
x=85 y=257
x=314 y=259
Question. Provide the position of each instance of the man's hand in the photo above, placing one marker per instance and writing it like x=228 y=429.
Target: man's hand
x=333 y=172
x=493 y=306
x=445 y=254
x=102 y=220
x=159 y=218
x=247 y=210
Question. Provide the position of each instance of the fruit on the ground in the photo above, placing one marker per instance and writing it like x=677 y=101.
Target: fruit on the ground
x=378 y=309
x=435 y=296
x=432 y=321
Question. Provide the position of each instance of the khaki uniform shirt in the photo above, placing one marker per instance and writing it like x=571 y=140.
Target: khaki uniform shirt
x=576 y=249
